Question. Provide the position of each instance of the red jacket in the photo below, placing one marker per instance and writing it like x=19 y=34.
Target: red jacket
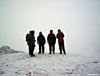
x=60 y=37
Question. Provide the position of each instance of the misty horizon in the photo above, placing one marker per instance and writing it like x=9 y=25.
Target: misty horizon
x=78 y=19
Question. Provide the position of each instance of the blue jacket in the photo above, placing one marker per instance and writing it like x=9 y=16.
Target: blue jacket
x=32 y=39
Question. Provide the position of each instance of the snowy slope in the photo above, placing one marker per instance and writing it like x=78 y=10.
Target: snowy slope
x=71 y=64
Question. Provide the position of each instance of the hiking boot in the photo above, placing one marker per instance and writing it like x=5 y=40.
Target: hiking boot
x=60 y=53
x=32 y=55
x=39 y=53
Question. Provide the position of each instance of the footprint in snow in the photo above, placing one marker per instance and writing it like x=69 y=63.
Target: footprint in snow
x=1 y=72
x=28 y=74
x=69 y=72
x=95 y=62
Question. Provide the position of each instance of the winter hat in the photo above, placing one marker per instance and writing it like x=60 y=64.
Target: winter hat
x=59 y=31
x=51 y=30
x=40 y=33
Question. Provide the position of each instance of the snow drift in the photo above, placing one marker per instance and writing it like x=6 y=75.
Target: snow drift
x=7 y=50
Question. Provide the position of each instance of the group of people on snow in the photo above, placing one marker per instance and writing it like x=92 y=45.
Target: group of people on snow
x=51 y=39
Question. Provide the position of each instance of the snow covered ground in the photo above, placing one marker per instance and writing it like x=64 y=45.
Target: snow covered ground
x=71 y=64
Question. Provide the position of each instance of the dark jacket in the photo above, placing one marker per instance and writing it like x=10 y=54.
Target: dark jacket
x=51 y=39
x=41 y=39
x=31 y=39
x=60 y=37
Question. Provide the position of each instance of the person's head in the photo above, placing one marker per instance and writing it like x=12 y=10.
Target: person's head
x=51 y=31
x=59 y=31
x=40 y=33
x=32 y=32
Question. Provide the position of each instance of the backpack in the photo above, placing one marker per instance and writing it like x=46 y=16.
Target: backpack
x=27 y=38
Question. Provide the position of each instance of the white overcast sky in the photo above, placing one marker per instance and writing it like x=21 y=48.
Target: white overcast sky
x=78 y=19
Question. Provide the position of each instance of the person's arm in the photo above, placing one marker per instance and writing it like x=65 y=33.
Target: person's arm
x=57 y=36
x=48 y=38
x=38 y=40
x=62 y=35
x=44 y=40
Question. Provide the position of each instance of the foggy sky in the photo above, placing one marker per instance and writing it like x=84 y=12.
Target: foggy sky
x=78 y=19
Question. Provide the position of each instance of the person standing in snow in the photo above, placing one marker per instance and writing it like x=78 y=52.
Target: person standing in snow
x=51 y=41
x=60 y=37
x=41 y=41
x=30 y=39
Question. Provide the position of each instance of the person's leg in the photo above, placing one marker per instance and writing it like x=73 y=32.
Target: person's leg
x=49 y=48
x=29 y=49
x=39 y=49
x=63 y=47
x=53 y=48
x=42 y=48
x=60 y=48
x=33 y=46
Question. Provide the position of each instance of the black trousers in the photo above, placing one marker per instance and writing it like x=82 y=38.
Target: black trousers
x=41 y=46
x=31 y=49
x=51 y=48
x=61 y=47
